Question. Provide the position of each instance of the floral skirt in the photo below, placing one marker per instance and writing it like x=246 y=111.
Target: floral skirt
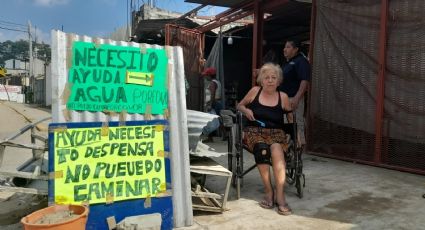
x=254 y=135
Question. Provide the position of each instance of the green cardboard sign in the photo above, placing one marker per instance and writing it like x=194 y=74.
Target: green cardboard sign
x=117 y=78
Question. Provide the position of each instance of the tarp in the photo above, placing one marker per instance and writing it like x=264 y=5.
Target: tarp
x=344 y=81
x=215 y=59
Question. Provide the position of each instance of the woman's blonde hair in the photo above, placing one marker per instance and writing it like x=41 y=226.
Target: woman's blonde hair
x=267 y=68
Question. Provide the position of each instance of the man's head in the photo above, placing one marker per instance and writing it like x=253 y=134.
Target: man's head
x=209 y=72
x=291 y=49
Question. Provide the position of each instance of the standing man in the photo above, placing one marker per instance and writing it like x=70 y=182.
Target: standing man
x=212 y=101
x=212 y=91
x=296 y=73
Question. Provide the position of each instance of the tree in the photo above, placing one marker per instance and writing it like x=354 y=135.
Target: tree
x=19 y=50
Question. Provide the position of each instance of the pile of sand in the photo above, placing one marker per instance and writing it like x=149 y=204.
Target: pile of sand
x=56 y=217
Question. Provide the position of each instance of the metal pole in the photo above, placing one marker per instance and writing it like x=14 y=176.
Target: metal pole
x=257 y=41
x=30 y=61
x=380 y=84
x=310 y=58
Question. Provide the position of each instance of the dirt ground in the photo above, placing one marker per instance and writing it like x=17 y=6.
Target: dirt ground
x=13 y=206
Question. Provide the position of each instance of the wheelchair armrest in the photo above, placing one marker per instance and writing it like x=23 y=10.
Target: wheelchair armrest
x=289 y=128
x=228 y=118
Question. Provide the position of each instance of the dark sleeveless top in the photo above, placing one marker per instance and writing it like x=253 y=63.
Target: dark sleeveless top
x=272 y=116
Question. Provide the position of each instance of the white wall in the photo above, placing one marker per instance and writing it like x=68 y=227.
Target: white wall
x=16 y=64
x=49 y=85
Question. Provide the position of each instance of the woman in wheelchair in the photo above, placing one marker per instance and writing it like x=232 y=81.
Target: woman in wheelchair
x=264 y=106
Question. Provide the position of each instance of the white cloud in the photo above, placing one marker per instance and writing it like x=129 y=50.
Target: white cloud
x=42 y=36
x=13 y=36
x=50 y=2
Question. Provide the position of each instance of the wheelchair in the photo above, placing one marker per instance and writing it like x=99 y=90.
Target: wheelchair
x=233 y=124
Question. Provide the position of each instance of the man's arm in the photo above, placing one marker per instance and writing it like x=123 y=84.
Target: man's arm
x=213 y=89
x=304 y=73
x=300 y=93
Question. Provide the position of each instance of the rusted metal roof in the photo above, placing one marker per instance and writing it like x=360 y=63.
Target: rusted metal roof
x=224 y=3
x=228 y=3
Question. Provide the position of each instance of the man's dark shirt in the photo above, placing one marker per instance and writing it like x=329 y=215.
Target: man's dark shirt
x=294 y=71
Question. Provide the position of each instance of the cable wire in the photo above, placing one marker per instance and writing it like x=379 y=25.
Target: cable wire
x=17 y=26
x=4 y=28
x=12 y=23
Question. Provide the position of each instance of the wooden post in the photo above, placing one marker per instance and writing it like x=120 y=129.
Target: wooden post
x=380 y=84
x=257 y=41
x=310 y=58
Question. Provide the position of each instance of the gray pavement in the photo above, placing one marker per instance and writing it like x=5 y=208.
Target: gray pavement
x=338 y=195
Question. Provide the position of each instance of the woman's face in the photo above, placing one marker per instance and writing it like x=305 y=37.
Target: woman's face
x=289 y=51
x=270 y=79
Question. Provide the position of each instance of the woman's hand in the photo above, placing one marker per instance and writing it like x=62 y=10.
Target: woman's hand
x=249 y=114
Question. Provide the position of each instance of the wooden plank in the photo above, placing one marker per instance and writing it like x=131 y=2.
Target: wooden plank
x=26 y=175
x=205 y=165
x=206 y=208
x=24 y=190
x=25 y=146
x=5 y=195
x=39 y=137
x=211 y=171
x=207 y=195
x=2 y=148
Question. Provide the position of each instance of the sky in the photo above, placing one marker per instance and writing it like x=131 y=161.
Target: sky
x=95 y=18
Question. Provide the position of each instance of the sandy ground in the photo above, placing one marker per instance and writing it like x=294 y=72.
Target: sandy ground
x=13 y=206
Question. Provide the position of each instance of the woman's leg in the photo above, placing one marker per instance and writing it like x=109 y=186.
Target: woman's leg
x=278 y=162
x=264 y=170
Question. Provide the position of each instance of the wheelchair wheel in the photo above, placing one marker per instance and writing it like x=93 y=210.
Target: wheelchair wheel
x=236 y=180
x=230 y=151
x=299 y=176
x=235 y=170
x=290 y=174
x=234 y=173
x=290 y=165
x=299 y=185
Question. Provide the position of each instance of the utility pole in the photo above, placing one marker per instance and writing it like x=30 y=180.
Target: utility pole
x=30 y=61
x=35 y=37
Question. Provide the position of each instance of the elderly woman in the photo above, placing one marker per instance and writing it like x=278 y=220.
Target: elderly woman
x=265 y=106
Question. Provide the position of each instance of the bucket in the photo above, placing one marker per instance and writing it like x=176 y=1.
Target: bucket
x=58 y=217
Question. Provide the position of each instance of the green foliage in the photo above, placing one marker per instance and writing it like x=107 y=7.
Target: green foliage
x=19 y=50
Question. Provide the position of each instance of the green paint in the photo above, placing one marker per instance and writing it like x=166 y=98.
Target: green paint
x=98 y=79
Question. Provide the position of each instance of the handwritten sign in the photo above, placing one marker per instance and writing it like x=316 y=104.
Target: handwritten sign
x=10 y=88
x=108 y=164
x=117 y=78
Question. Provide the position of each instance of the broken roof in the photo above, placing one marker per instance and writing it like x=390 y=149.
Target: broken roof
x=224 y=3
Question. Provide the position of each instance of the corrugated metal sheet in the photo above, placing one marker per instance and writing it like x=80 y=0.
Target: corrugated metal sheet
x=192 y=43
x=179 y=148
x=196 y=121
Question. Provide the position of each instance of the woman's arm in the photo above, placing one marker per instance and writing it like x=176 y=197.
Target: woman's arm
x=286 y=105
x=249 y=97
